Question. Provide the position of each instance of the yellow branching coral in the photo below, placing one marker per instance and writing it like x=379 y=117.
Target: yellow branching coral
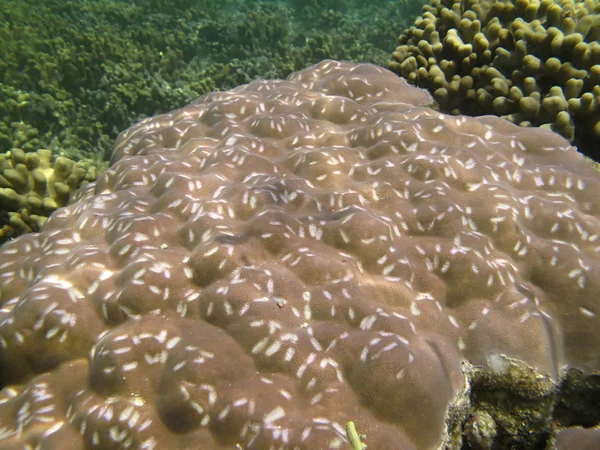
x=532 y=62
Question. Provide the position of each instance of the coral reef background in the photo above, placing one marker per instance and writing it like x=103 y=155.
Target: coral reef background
x=74 y=74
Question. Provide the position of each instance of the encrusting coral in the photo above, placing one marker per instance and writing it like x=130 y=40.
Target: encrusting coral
x=271 y=263
x=532 y=62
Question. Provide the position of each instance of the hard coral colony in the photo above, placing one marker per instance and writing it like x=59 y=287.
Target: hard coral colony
x=267 y=264
x=533 y=62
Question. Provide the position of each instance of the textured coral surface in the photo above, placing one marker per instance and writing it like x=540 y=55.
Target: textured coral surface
x=262 y=266
x=578 y=438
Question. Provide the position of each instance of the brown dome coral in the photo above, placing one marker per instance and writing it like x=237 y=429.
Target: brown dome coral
x=263 y=266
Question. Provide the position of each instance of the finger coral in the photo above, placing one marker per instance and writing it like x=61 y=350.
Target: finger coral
x=533 y=62
x=268 y=264
x=33 y=185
